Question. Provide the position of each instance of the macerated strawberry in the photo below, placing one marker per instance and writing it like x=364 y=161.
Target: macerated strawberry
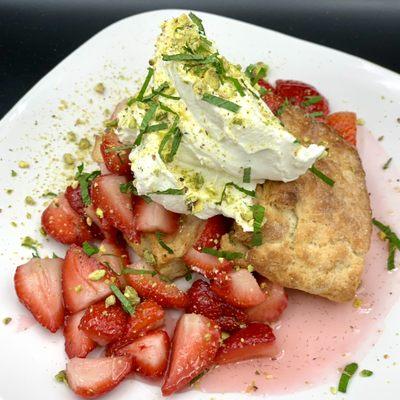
x=272 y=307
x=74 y=197
x=115 y=157
x=104 y=324
x=107 y=230
x=345 y=124
x=256 y=340
x=38 y=287
x=153 y=217
x=212 y=232
x=77 y=344
x=239 y=288
x=63 y=224
x=92 y=377
x=83 y=280
x=206 y=264
x=115 y=205
x=148 y=316
x=273 y=100
x=194 y=346
x=303 y=95
x=202 y=300
x=149 y=353
x=152 y=287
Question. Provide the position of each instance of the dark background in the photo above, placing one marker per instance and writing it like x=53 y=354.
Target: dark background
x=35 y=35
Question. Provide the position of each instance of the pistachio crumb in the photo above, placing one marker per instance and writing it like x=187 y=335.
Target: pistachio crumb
x=97 y=274
x=69 y=159
x=30 y=201
x=84 y=144
x=100 y=88
x=78 y=288
x=7 y=320
x=23 y=164
x=71 y=136
x=357 y=302
x=13 y=173
x=61 y=377
x=110 y=301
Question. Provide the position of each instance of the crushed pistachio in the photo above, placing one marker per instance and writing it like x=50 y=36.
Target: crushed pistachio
x=27 y=241
x=333 y=389
x=71 y=136
x=61 y=377
x=7 y=320
x=13 y=173
x=149 y=257
x=9 y=191
x=28 y=215
x=97 y=274
x=99 y=213
x=14 y=224
x=131 y=294
x=84 y=144
x=69 y=159
x=99 y=88
x=30 y=201
x=78 y=288
x=357 y=302
x=250 y=268
x=23 y=164
x=360 y=122
x=224 y=335
x=110 y=300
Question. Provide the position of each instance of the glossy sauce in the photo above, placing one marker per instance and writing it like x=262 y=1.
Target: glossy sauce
x=318 y=336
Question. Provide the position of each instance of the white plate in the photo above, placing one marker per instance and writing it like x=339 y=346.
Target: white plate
x=117 y=56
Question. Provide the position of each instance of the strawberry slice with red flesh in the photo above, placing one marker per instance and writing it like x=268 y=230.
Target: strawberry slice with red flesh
x=239 y=288
x=194 y=346
x=272 y=307
x=115 y=205
x=149 y=353
x=205 y=302
x=273 y=100
x=116 y=160
x=78 y=289
x=63 y=224
x=153 y=217
x=77 y=344
x=92 y=377
x=254 y=341
x=152 y=287
x=345 y=123
x=104 y=324
x=207 y=264
x=38 y=287
x=148 y=316
x=303 y=95
x=107 y=230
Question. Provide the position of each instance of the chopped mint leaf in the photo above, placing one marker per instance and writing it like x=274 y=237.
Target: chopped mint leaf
x=128 y=188
x=316 y=114
x=126 y=305
x=220 y=102
x=145 y=84
x=170 y=191
x=366 y=373
x=188 y=276
x=250 y=193
x=156 y=127
x=133 y=271
x=183 y=57
x=387 y=163
x=258 y=217
x=159 y=236
x=311 y=100
x=119 y=148
x=145 y=122
x=89 y=249
x=228 y=255
x=237 y=85
x=247 y=175
x=85 y=179
x=347 y=373
x=322 y=176
x=198 y=22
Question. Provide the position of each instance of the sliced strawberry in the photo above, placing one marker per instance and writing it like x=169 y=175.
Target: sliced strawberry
x=108 y=231
x=301 y=94
x=206 y=264
x=152 y=287
x=272 y=307
x=153 y=217
x=345 y=123
x=214 y=228
x=194 y=346
x=78 y=289
x=239 y=288
x=256 y=340
x=115 y=205
x=149 y=353
x=77 y=344
x=74 y=197
x=117 y=161
x=104 y=324
x=273 y=100
x=204 y=301
x=148 y=316
x=38 y=287
x=92 y=377
x=63 y=224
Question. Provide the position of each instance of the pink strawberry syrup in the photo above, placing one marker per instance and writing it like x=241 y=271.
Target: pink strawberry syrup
x=318 y=336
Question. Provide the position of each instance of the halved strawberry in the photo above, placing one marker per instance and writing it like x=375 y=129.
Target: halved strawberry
x=148 y=316
x=80 y=290
x=152 y=287
x=256 y=340
x=272 y=307
x=115 y=205
x=345 y=123
x=77 y=344
x=206 y=264
x=104 y=324
x=116 y=160
x=92 y=377
x=108 y=231
x=38 y=287
x=153 y=217
x=273 y=100
x=303 y=95
x=239 y=288
x=204 y=301
x=74 y=197
x=194 y=346
x=63 y=224
x=149 y=353
x=213 y=230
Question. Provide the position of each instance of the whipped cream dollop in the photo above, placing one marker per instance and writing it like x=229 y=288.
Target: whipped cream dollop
x=203 y=136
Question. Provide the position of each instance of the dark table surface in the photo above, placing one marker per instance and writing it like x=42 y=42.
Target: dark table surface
x=35 y=35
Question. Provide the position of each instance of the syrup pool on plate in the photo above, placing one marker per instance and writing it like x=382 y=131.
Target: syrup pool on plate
x=316 y=335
